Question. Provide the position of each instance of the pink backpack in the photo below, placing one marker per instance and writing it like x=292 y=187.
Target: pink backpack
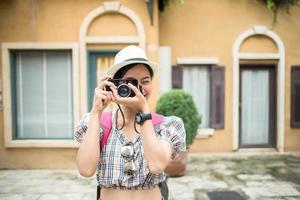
x=106 y=122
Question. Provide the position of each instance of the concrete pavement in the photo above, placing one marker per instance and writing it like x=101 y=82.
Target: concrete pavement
x=239 y=176
x=233 y=176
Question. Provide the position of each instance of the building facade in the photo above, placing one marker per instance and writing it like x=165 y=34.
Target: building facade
x=242 y=72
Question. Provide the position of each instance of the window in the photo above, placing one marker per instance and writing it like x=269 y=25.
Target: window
x=196 y=82
x=206 y=84
x=42 y=99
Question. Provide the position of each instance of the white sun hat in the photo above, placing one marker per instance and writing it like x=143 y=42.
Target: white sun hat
x=129 y=55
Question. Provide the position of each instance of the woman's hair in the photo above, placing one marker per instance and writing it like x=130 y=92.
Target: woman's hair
x=121 y=72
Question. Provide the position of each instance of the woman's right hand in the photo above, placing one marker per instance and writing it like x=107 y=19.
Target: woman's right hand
x=102 y=97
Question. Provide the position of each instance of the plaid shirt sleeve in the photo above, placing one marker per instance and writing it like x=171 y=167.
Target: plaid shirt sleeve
x=172 y=130
x=82 y=126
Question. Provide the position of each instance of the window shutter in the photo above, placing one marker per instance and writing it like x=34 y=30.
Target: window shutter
x=217 y=97
x=295 y=97
x=176 y=77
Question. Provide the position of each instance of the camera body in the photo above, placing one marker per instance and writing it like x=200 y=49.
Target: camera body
x=122 y=86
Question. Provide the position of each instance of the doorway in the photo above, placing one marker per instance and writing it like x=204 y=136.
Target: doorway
x=257 y=106
x=98 y=62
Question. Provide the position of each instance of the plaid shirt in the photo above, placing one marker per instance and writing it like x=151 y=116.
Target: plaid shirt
x=110 y=171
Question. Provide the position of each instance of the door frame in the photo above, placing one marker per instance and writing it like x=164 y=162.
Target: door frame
x=272 y=135
x=92 y=56
x=279 y=58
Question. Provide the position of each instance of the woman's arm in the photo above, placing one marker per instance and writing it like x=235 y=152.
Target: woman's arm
x=157 y=152
x=89 y=151
x=88 y=154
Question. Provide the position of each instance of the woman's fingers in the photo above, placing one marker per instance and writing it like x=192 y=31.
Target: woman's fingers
x=137 y=101
x=103 y=82
x=135 y=90
x=110 y=96
x=128 y=101
x=101 y=99
x=114 y=94
x=106 y=77
x=99 y=91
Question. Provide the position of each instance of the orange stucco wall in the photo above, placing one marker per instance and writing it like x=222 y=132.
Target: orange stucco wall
x=60 y=21
x=209 y=29
x=206 y=28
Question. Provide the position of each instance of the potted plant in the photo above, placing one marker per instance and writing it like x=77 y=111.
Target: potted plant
x=179 y=103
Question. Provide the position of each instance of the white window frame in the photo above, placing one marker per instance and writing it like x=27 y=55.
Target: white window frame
x=7 y=111
x=201 y=132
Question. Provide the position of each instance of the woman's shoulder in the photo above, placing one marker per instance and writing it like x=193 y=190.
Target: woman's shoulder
x=172 y=120
x=169 y=121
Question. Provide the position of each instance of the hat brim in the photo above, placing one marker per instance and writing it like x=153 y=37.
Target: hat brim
x=114 y=68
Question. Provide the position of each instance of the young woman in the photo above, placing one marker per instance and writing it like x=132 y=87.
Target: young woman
x=131 y=164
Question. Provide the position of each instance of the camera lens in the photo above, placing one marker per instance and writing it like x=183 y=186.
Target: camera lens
x=124 y=90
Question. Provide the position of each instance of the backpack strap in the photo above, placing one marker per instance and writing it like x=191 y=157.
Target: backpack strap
x=157 y=119
x=106 y=123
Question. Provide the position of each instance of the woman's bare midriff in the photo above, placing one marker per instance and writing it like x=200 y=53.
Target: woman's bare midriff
x=114 y=194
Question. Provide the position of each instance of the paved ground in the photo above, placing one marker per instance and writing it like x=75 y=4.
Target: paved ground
x=208 y=177
x=239 y=176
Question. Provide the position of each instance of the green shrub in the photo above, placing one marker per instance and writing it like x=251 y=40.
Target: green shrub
x=181 y=104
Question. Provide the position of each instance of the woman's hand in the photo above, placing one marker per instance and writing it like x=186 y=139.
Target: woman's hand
x=102 y=97
x=138 y=102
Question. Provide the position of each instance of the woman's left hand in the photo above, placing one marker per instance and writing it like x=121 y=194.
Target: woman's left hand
x=137 y=102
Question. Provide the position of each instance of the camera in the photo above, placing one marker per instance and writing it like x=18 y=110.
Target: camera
x=122 y=86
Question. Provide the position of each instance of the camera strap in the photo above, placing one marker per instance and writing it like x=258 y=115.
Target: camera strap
x=106 y=123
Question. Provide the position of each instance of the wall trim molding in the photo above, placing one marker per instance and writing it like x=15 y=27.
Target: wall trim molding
x=197 y=60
